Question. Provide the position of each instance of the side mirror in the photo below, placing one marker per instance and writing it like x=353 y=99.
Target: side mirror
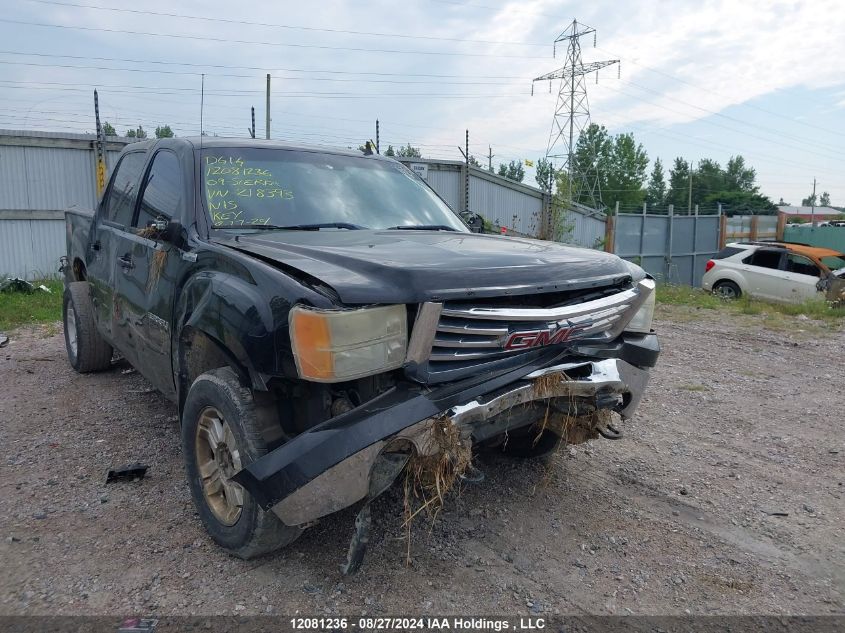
x=171 y=232
x=475 y=221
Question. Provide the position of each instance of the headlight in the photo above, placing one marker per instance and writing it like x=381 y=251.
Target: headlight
x=338 y=345
x=644 y=316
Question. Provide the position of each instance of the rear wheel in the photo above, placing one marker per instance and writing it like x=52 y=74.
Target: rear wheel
x=87 y=350
x=221 y=435
x=727 y=290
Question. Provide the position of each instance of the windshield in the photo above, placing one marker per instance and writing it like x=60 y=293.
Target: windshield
x=293 y=188
x=834 y=262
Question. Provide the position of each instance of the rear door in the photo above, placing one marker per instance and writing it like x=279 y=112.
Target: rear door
x=113 y=219
x=147 y=272
x=763 y=273
x=801 y=275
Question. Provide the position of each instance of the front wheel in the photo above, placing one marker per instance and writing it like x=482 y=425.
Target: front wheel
x=727 y=290
x=221 y=435
x=87 y=350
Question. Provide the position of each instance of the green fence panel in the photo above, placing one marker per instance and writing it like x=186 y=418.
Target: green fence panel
x=825 y=236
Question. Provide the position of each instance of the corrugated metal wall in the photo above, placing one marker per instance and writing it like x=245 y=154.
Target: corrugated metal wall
x=505 y=203
x=447 y=183
x=31 y=248
x=41 y=175
x=584 y=230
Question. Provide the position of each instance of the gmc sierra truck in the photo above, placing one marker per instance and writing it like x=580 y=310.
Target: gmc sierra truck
x=315 y=314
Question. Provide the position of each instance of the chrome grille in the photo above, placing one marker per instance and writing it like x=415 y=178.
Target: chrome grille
x=467 y=332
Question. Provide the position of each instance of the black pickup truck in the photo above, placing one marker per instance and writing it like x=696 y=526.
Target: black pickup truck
x=316 y=314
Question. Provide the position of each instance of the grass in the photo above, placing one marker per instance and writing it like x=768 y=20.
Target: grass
x=21 y=308
x=816 y=309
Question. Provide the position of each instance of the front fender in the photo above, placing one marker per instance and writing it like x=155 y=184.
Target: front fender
x=233 y=312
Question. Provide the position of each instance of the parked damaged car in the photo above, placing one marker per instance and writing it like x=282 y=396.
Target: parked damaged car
x=320 y=317
x=776 y=271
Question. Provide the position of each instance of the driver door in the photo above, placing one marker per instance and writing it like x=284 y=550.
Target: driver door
x=146 y=274
x=801 y=276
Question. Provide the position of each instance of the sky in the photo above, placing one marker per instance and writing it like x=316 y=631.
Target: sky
x=707 y=79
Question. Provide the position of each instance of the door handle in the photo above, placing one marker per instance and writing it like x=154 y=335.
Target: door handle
x=126 y=262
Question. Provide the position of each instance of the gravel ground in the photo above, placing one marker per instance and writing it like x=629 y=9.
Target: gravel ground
x=724 y=497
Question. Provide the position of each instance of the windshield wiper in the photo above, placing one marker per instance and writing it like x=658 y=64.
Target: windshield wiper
x=296 y=227
x=422 y=227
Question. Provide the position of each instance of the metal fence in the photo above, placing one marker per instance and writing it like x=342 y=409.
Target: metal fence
x=517 y=207
x=41 y=175
x=824 y=236
x=751 y=227
x=672 y=248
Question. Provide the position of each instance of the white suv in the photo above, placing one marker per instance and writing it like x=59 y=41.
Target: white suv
x=775 y=271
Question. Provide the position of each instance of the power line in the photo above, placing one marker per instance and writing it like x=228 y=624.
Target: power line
x=285 y=26
x=262 y=43
x=259 y=68
x=438 y=82
x=721 y=125
x=710 y=90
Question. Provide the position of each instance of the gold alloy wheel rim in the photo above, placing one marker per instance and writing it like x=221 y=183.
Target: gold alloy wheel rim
x=218 y=459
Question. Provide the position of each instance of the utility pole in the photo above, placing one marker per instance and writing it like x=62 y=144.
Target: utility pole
x=489 y=159
x=572 y=112
x=377 y=139
x=100 y=145
x=465 y=152
x=689 y=197
x=268 y=106
x=252 y=129
x=813 y=205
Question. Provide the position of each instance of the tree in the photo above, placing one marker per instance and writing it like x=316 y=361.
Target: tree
x=544 y=169
x=390 y=151
x=108 y=129
x=678 y=183
x=473 y=161
x=591 y=157
x=624 y=172
x=513 y=170
x=164 y=131
x=409 y=152
x=738 y=177
x=824 y=200
x=742 y=202
x=656 y=192
x=138 y=133
x=810 y=201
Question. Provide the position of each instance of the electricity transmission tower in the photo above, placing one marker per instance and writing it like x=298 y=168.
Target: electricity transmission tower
x=572 y=114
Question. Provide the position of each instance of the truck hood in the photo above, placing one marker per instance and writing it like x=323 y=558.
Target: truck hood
x=365 y=266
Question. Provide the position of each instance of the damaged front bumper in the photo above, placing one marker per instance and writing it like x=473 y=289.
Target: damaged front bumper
x=328 y=467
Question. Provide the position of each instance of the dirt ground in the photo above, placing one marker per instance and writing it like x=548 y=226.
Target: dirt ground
x=724 y=497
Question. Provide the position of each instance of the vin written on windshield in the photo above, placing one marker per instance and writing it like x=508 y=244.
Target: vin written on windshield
x=230 y=183
x=279 y=187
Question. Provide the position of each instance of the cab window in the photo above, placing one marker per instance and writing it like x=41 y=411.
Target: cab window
x=801 y=265
x=120 y=203
x=764 y=258
x=162 y=193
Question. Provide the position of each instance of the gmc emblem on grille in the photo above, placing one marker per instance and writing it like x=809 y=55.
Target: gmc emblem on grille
x=537 y=338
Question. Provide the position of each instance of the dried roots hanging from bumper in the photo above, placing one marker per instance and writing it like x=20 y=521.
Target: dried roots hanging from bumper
x=432 y=474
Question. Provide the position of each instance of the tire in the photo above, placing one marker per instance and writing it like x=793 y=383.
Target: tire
x=87 y=350
x=727 y=290
x=230 y=515
x=524 y=444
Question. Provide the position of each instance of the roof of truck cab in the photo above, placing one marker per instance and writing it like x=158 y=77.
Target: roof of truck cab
x=209 y=142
